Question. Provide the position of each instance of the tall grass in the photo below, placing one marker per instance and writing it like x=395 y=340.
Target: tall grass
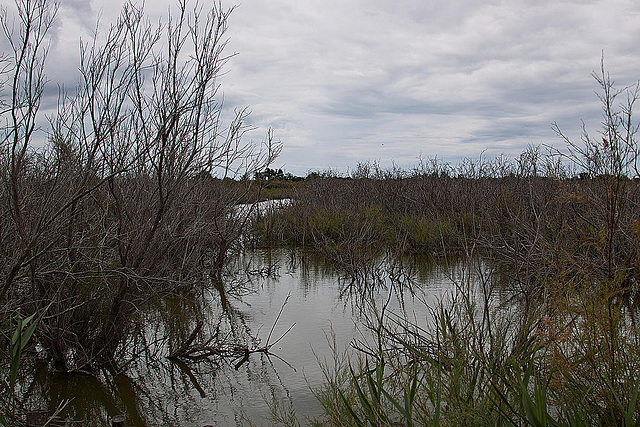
x=21 y=331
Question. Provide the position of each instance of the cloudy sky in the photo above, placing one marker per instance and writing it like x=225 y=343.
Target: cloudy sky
x=344 y=81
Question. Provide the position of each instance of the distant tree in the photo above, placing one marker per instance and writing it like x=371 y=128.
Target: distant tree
x=270 y=175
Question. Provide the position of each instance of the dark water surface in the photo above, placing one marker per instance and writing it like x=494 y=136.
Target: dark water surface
x=323 y=306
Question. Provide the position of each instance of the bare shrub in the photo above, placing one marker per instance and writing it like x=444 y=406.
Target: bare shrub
x=127 y=201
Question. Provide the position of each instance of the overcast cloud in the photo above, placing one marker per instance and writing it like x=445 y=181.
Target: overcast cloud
x=343 y=81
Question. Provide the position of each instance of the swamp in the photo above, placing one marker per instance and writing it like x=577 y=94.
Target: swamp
x=153 y=265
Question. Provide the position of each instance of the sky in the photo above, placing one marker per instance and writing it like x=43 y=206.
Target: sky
x=348 y=81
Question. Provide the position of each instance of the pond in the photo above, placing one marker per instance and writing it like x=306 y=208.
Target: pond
x=305 y=310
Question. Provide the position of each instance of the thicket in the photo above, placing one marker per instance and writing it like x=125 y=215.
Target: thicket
x=523 y=218
x=118 y=206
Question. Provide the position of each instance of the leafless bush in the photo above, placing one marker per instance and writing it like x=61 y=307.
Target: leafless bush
x=127 y=201
x=609 y=161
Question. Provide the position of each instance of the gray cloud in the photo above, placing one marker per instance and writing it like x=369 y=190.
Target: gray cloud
x=336 y=80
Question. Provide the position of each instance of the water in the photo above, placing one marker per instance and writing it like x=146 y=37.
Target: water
x=302 y=308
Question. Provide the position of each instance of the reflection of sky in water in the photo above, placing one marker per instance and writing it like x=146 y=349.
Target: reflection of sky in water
x=212 y=391
x=320 y=316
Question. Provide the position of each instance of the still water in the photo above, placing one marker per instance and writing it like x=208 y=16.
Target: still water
x=304 y=309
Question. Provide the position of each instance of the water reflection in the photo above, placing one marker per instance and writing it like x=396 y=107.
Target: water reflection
x=248 y=337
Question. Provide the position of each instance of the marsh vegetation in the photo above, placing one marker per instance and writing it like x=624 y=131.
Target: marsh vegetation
x=555 y=343
x=131 y=236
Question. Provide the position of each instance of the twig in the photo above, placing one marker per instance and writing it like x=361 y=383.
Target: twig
x=276 y=321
